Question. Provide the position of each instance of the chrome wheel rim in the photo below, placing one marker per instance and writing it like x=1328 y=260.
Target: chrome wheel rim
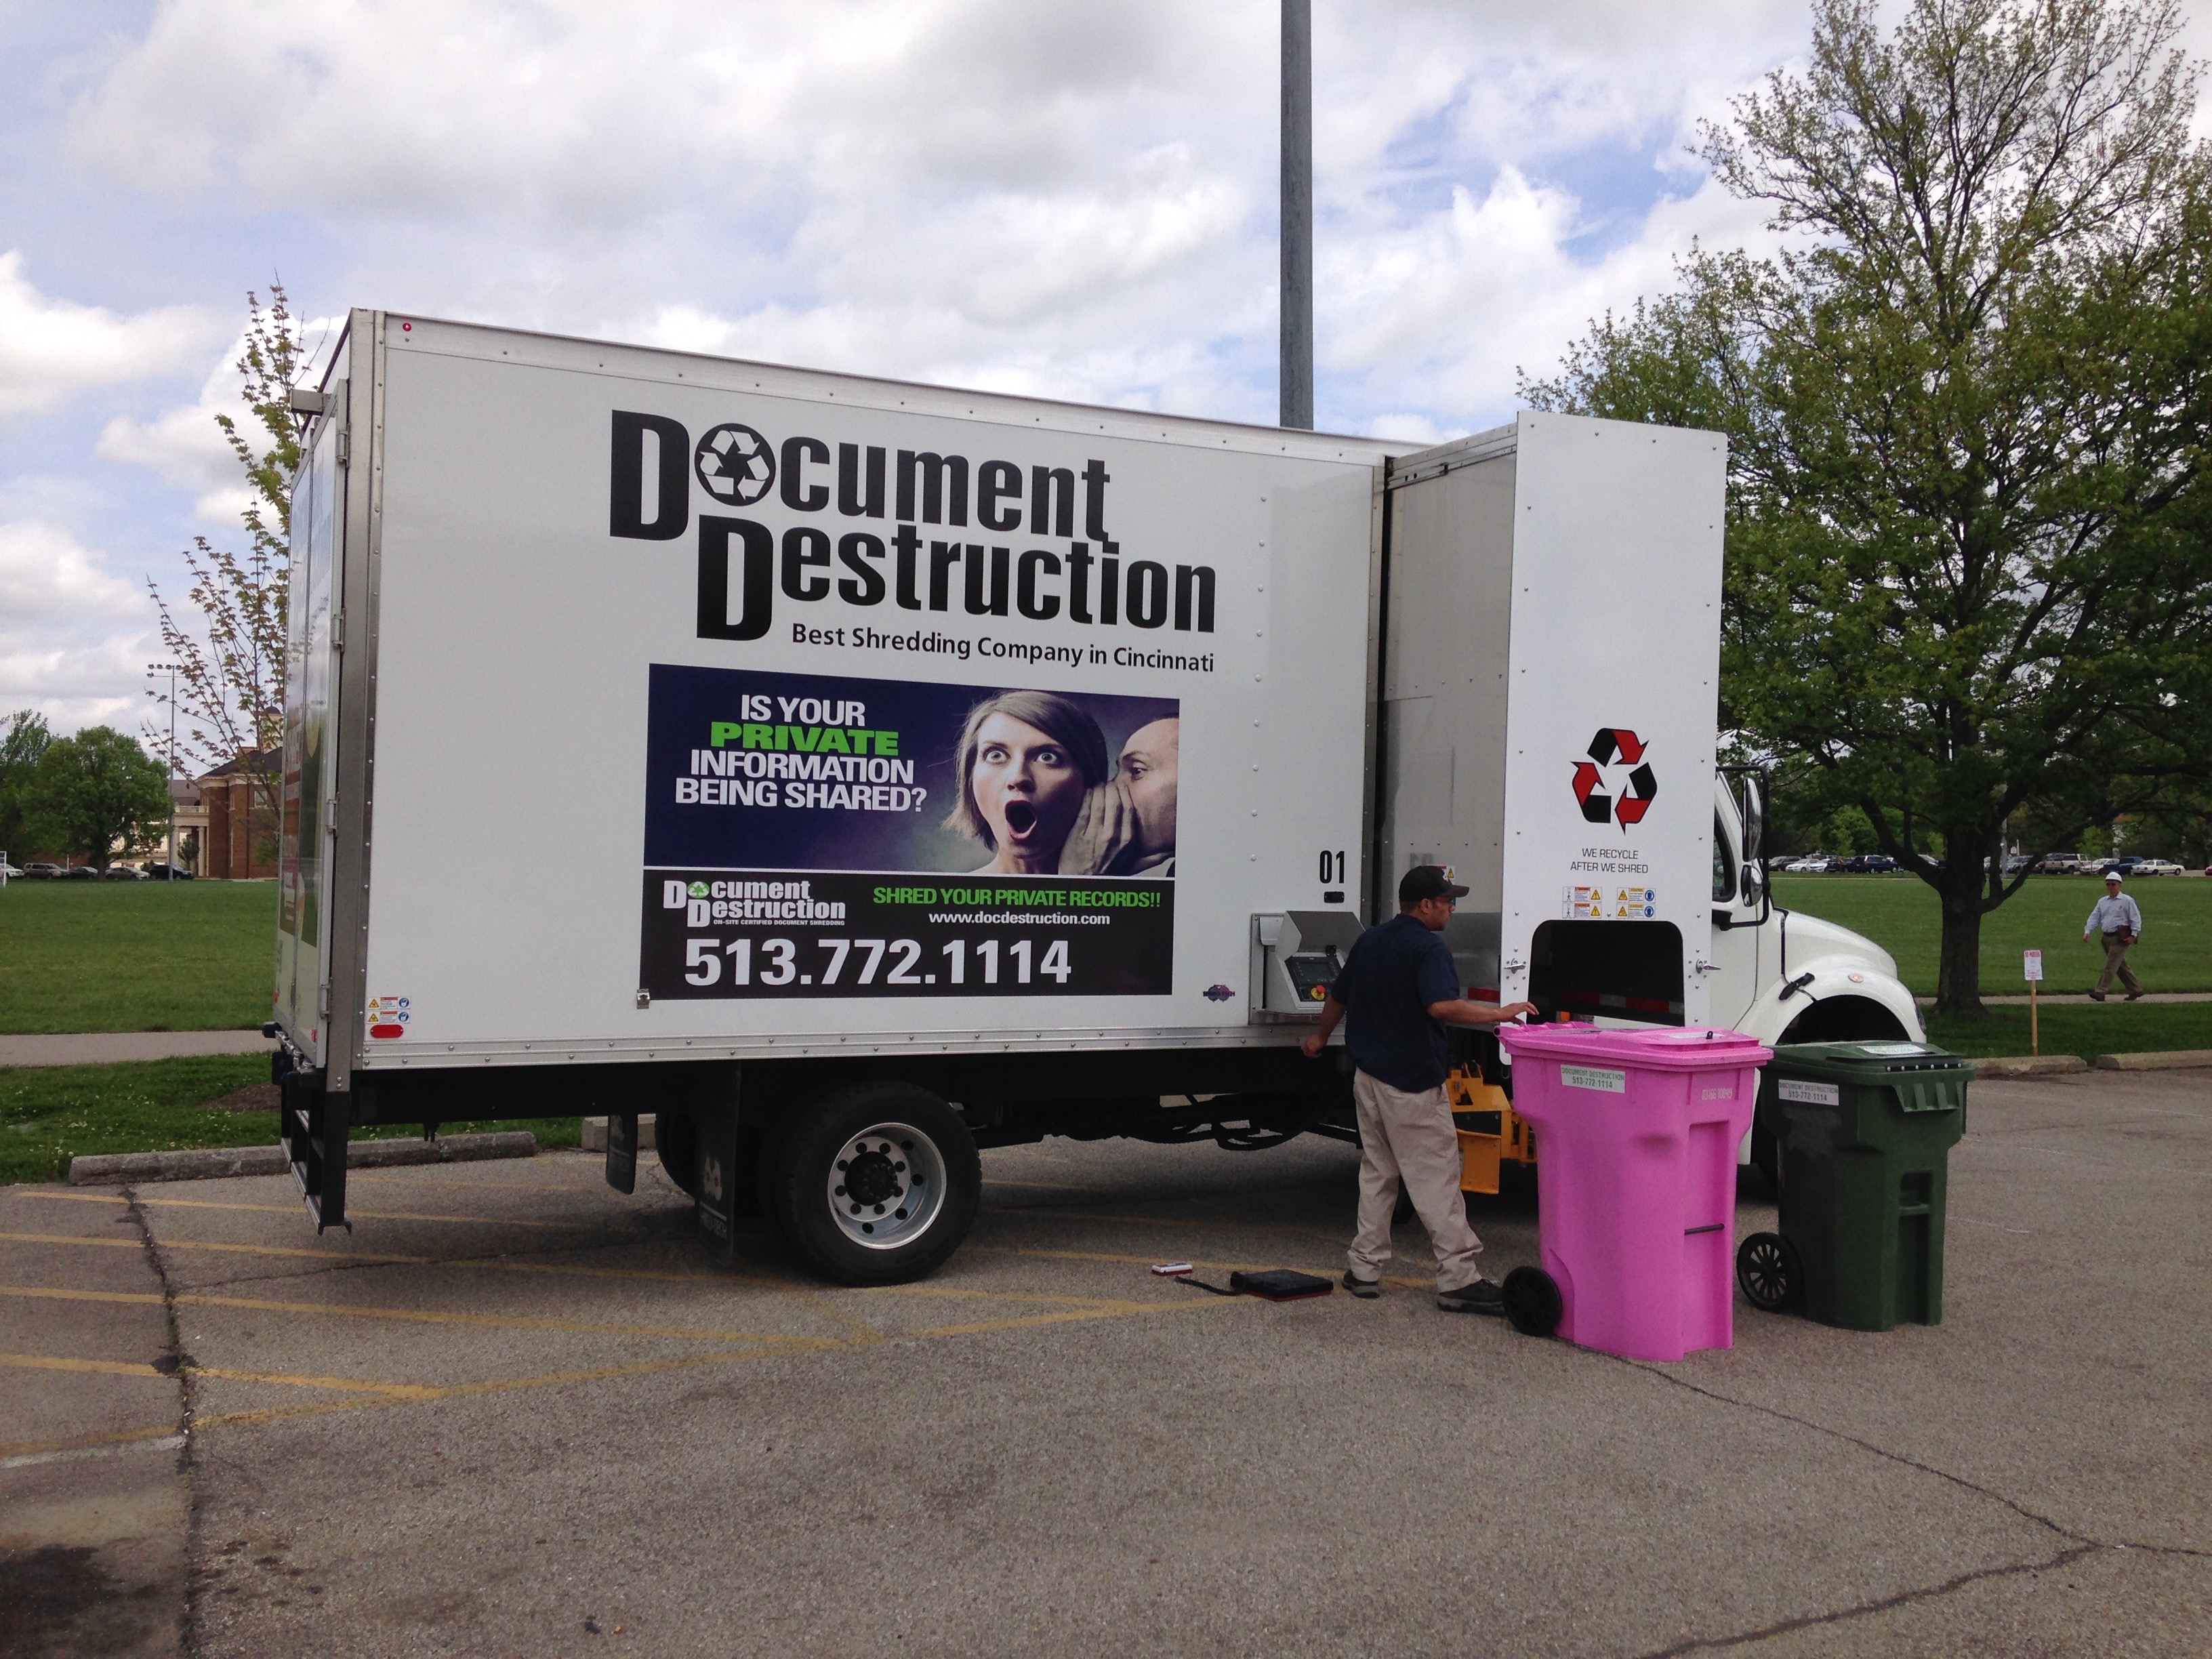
x=887 y=1186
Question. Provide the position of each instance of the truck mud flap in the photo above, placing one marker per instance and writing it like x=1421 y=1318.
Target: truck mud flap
x=316 y=1126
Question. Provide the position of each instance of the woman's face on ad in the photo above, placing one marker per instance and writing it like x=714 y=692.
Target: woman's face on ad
x=1027 y=787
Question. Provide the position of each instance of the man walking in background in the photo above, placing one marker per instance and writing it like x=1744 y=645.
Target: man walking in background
x=2121 y=923
x=1400 y=989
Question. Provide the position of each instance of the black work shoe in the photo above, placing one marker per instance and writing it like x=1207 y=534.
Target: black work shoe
x=1365 y=1289
x=2096 y=996
x=2133 y=996
x=1481 y=1297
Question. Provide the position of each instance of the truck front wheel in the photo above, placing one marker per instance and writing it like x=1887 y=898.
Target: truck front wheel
x=877 y=1184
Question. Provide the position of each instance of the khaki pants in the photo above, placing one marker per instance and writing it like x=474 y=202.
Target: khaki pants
x=1409 y=1137
x=2116 y=962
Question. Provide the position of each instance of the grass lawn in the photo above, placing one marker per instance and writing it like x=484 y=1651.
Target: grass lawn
x=136 y=956
x=50 y=1114
x=2076 y=1028
x=1900 y=913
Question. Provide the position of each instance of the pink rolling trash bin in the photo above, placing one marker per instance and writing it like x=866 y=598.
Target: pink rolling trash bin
x=1636 y=1134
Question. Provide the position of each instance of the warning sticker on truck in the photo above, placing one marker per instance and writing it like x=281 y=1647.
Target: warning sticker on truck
x=809 y=835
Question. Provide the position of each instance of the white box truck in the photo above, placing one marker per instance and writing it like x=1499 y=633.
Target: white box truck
x=800 y=757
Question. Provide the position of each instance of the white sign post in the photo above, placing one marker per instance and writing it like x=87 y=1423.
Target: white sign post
x=2034 y=967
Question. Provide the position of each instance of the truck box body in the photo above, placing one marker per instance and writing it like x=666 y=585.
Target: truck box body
x=654 y=717
x=562 y=736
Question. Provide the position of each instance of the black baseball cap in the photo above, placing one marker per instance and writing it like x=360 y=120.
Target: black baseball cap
x=1427 y=881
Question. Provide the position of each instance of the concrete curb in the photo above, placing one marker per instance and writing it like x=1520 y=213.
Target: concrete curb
x=218 y=1163
x=2173 y=1059
x=2030 y=1066
x=595 y=1133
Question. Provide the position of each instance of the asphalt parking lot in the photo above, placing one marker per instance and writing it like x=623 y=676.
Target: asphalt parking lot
x=514 y=1412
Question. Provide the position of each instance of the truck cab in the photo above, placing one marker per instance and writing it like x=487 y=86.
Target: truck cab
x=1780 y=976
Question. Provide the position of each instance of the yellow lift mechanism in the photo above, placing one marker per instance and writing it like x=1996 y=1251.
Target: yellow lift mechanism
x=1482 y=1151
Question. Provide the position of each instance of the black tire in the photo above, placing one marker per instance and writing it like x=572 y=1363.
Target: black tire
x=676 y=1138
x=1532 y=1301
x=1769 y=1273
x=918 y=1181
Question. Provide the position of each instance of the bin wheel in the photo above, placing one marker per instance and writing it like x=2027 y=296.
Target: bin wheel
x=1768 y=1269
x=1532 y=1301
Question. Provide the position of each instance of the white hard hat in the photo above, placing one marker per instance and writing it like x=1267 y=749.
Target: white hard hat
x=2112 y=875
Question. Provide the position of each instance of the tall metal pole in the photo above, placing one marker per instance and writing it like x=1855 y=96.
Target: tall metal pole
x=1296 y=376
x=169 y=872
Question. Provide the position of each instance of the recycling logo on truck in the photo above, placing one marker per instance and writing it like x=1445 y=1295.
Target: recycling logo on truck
x=735 y=464
x=1621 y=799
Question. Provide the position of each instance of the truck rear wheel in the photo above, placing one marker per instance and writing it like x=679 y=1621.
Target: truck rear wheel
x=877 y=1184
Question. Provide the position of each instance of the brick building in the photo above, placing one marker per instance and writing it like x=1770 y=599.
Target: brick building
x=240 y=840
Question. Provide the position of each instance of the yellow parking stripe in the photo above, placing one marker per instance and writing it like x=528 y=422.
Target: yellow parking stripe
x=32 y=1362
x=84 y=1441
x=655 y=1275
x=294 y=1209
x=411 y=1315
x=364 y=1396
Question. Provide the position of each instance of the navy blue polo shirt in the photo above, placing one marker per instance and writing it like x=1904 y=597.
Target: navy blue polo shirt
x=1393 y=973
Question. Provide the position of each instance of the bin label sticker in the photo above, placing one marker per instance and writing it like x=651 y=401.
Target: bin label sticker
x=1896 y=1050
x=1812 y=1094
x=1595 y=1077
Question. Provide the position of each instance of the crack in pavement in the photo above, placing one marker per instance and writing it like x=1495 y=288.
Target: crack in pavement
x=178 y=1363
x=1863 y=1609
x=2079 y=1545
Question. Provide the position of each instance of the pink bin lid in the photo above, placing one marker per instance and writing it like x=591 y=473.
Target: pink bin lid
x=1692 y=1049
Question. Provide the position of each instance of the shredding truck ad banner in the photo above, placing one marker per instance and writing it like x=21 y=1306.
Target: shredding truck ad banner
x=813 y=836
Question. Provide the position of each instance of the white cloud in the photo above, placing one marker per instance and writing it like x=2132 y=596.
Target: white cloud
x=185 y=447
x=1071 y=200
x=74 y=639
x=51 y=349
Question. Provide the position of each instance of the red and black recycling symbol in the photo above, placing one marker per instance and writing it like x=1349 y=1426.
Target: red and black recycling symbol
x=1614 y=745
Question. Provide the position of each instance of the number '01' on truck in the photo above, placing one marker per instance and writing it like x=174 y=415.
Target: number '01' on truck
x=856 y=774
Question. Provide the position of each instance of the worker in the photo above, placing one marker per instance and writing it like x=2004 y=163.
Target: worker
x=2116 y=917
x=1400 y=988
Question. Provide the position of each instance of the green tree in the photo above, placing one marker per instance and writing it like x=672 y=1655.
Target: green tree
x=26 y=737
x=95 y=791
x=230 y=657
x=1969 y=540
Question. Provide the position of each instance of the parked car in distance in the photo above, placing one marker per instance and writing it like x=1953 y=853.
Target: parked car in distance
x=2157 y=867
x=8 y=871
x=1812 y=863
x=41 y=872
x=166 y=872
x=81 y=872
x=1862 y=864
x=2125 y=866
x=2058 y=863
x=124 y=873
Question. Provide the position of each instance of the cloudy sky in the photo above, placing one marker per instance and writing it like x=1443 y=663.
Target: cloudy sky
x=1070 y=197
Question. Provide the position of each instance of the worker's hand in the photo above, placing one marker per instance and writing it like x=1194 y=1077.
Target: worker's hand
x=1518 y=1010
x=1312 y=1045
x=1105 y=827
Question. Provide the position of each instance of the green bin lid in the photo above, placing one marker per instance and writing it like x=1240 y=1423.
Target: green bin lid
x=1853 y=1062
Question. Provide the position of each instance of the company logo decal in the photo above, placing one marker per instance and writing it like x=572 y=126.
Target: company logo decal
x=1622 y=800
x=842 y=525
x=735 y=464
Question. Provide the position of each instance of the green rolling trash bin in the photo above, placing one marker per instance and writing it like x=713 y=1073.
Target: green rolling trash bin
x=1865 y=1131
